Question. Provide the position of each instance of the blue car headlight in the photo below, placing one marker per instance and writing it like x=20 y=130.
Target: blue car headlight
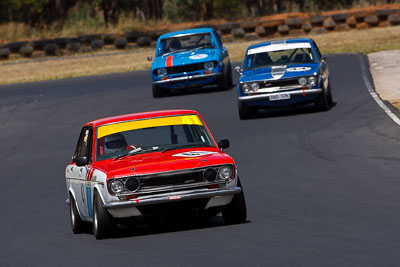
x=162 y=72
x=312 y=80
x=303 y=81
x=209 y=65
x=255 y=86
x=246 y=88
x=250 y=87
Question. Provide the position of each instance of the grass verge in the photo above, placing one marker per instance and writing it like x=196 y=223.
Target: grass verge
x=363 y=41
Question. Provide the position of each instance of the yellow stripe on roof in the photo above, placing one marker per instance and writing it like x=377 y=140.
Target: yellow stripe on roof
x=140 y=124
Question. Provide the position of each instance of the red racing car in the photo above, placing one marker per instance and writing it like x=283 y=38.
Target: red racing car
x=132 y=167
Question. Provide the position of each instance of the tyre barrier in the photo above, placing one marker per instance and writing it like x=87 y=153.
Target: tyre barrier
x=97 y=44
x=329 y=24
x=383 y=14
x=317 y=21
x=352 y=22
x=360 y=15
x=283 y=29
x=26 y=51
x=249 y=26
x=226 y=28
x=155 y=34
x=372 y=20
x=16 y=46
x=250 y=37
x=295 y=23
x=50 y=49
x=394 y=19
x=4 y=53
x=40 y=44
x=238 y=33
x=340 y=18
x=143 y=41
x=109 y=38
x=260 y=31
x=61 y=42
x=263 y=27
x=73 y=47
x=307 y=27
x=88 y=38
x=121 y=43
x=132 y=36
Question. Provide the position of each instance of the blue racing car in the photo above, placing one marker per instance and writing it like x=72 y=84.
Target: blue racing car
x=190 y=59
x=283 y=73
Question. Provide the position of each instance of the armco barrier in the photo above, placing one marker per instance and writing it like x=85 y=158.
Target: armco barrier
x=291 y=24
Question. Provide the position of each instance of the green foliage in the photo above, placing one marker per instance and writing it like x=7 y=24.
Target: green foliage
x=228 y=9
x=94 y=13
x=83 y=16
x=171 y=10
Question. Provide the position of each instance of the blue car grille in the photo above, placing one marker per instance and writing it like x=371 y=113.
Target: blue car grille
x=280 y=83
x=185 y=68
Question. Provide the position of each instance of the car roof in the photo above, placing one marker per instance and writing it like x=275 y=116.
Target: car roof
x=138 y=116
x=288 y=41
x=188 y=31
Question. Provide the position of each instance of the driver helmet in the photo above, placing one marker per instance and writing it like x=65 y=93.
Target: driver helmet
x=175 y=44
x=263 y=59
x=114 y=143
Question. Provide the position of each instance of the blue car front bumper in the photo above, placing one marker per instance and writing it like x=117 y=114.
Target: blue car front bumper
x=297 y=97
x=189 y=80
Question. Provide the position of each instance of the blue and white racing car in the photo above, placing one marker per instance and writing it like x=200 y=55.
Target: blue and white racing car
x=283 y=73
x=189 y=59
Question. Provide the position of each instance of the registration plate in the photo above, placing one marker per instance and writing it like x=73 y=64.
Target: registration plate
x=279 y=97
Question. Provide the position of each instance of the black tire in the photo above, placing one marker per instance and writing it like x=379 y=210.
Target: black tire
x=103 y=225
x=324 y=101
x=157 y=91
x=244 y=111
x=225 y=81
x=236 y=212
x=229 y=76
x=222 y=83
x=77 y=225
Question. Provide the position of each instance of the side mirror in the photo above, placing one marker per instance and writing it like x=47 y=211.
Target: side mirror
x=323 y=59
x=238 y=69
x=149 y=57
x=81 y=161
x=224 y=143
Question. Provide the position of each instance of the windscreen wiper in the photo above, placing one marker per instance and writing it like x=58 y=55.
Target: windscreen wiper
x=128 y=153
x=201 y=47
x=184 y=146
x=176 y=51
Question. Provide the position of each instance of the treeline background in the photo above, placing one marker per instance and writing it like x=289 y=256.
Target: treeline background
x=45 y=12
x=22 y=19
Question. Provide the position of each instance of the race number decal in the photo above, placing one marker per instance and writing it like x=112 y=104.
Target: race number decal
x=298 y=69
x=193 y=154
x=198 y=56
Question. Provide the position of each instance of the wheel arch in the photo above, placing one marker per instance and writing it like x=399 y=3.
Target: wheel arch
x=71 y=192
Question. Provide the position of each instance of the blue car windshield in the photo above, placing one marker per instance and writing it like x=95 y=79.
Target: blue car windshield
x=280 y=57
x=185 y=42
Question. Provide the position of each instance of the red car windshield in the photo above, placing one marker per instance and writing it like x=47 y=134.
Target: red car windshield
x=151 y=135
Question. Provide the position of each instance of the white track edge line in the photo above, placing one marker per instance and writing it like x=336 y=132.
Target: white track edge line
x=375 y=96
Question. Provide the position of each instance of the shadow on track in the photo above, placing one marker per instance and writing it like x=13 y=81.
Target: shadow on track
x=169 y=225
x=199 y=90
x=289 y=111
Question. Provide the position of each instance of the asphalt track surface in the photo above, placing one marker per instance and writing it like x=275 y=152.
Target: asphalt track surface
x=322 y=188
